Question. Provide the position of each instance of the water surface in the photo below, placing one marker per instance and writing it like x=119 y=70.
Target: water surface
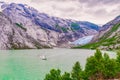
x=27 y=64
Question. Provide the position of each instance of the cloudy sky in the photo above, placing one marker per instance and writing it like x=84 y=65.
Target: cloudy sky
x=96 y=11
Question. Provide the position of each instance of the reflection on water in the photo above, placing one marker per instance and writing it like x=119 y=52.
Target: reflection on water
x=27 y=64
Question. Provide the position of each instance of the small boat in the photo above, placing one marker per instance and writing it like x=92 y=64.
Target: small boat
x=43 y=57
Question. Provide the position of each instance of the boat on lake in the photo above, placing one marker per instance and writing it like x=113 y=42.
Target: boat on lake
x=43 y=57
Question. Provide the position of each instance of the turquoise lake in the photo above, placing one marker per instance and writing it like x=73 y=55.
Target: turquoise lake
x=27 y=64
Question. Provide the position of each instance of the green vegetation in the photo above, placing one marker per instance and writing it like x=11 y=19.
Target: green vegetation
x=57 y=26
x=21 y=26
x=54 y=75
x=66 y=76
x=76 y=73
x=63 y=29
x=113 y=29
x=105 y=40
x=95 y=45
x=17 y=46
x=98 y=67
x=75 y=26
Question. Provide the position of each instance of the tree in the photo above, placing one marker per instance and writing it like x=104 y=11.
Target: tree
x=53 y=75
x=94 y=66
x=66 y=76
x=76 y=71
x=97 y=67
x=118 y=57
x=110 y=67
x=118 y=63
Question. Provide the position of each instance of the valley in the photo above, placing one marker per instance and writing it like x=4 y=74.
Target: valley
x=31 y=29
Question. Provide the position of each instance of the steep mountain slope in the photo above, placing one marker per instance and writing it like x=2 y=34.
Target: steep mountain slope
x=108 y=37
x=15 y=37
x=43 y=29
x=105 y=28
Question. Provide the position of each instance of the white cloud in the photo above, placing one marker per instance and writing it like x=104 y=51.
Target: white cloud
x=17 y=1
x=97 y=11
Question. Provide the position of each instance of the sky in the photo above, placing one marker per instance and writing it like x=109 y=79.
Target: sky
x=96 y=11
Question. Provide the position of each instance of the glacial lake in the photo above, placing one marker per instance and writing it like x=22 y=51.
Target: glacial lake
x=27 y=64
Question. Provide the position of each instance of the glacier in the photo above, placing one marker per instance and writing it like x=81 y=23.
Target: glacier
x=83 y=40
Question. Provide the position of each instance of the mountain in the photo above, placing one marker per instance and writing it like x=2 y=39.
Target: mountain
x=15 y=37
x=105 y=28
x=108 y=38
x=32 y=29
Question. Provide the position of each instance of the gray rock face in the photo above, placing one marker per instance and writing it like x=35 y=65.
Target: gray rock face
x=5 y=31
x=24 y=27
x=14 y=37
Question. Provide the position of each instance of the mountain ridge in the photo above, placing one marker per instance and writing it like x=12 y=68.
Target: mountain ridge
x=46 y=30
x=108 y=38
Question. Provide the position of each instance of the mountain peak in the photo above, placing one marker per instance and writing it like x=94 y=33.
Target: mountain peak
x=110 y=23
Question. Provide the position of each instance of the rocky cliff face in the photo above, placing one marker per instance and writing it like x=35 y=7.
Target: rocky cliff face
x=15 y=37
x=22 y=26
